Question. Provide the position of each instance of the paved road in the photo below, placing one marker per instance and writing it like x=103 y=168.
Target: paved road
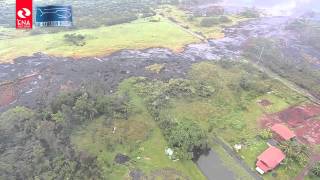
x=288 y=83
x=230 y=151
x=213 y=168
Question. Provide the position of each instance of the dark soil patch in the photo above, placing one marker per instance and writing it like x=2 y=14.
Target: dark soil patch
x=136 y=174
x=265 y=102
x=302 y=119
x=121 y=159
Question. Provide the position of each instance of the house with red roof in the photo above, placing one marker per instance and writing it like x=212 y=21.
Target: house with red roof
x=269 y=159
x=283 y=132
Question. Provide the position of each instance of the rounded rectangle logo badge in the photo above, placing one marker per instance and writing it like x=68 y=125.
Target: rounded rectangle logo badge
x=24 y=14
x=54 y=16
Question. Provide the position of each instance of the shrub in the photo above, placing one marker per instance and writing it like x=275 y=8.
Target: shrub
x=265 y=134
x=84 y=108
x=190 y=18
x=316 y=169
x=250 y=13
x=209 y=22
x=224 y=19
x=75 y=39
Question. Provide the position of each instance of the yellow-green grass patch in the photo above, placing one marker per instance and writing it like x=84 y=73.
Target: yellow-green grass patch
x=101 y=41
x=155 y=68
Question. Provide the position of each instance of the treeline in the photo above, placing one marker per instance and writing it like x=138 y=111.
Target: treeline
x=37 y=145
x=93 y=14
x=295 y=68
x=211 y=21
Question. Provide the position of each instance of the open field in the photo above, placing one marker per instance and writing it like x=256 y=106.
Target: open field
x=139 y=34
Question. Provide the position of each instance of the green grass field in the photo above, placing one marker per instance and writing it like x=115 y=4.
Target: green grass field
x=139 y=34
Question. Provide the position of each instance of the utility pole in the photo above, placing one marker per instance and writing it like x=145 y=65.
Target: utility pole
x=261 y=54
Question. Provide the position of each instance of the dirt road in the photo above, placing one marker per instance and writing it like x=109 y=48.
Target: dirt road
x=288 y=83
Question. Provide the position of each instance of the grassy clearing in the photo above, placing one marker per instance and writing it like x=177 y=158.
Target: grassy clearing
x=139 y=34
x=194 y=24
x=138 y=137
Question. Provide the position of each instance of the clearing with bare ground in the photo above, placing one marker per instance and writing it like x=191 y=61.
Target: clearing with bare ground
x=301 y=119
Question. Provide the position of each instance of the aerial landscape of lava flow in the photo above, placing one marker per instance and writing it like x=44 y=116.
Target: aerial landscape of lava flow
x=188 y=89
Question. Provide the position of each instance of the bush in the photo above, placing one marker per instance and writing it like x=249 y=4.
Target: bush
x=265 y=134
x=190 y=18
x=224 y=19
x=209 y=22
x=74 y=39
x=316 y=169
x=104 y=105
x=155 y=20
x=84 y=108
x=67 y=99
x=250 y=13
x=173 y=19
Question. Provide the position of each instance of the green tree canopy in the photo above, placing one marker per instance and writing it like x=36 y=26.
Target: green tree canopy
x=187 y=137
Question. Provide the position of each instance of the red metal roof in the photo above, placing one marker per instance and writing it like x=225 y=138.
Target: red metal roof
x=270 y=159
x=263 y=166
x=283 y=131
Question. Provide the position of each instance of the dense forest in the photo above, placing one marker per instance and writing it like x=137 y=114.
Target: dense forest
x=36 y=143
